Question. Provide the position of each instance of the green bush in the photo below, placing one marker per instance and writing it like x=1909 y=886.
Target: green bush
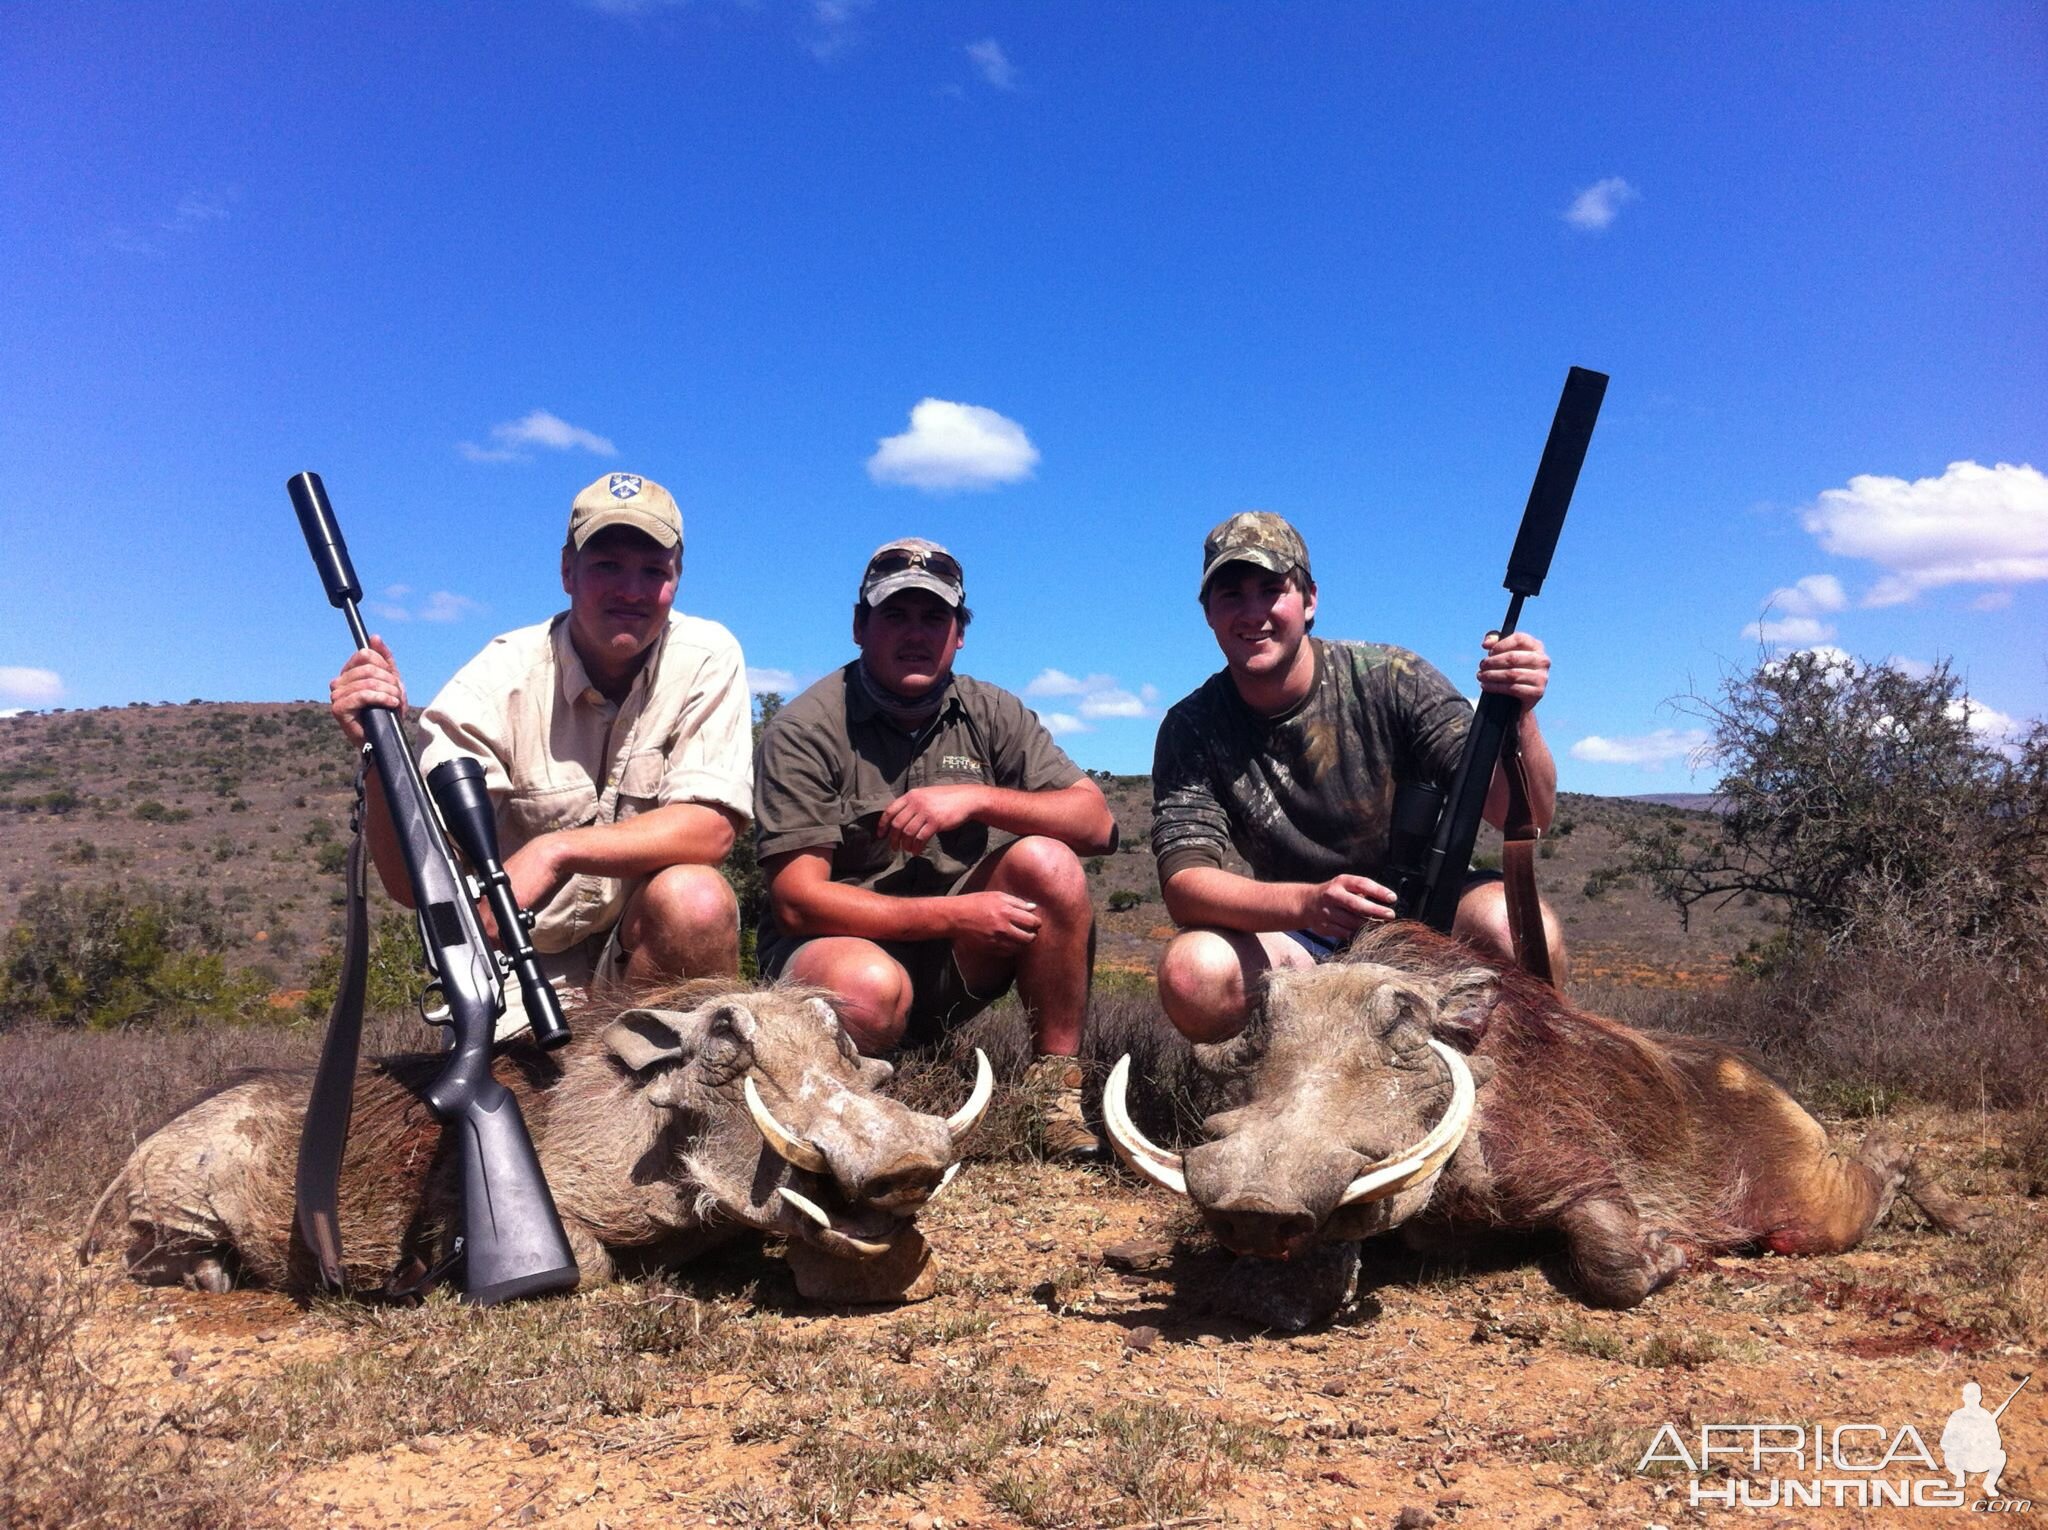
x=120 y=954
x=396 y=975
x=1123 y=898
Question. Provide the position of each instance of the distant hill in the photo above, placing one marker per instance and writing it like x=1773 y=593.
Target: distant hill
x=1691 y=802
x=248 y=804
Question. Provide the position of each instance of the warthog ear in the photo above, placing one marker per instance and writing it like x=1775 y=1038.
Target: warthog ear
x=640 y=1038
x=1467 y=1008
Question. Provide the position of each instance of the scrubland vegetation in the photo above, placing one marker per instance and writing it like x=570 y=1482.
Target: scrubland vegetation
x=1887 y=863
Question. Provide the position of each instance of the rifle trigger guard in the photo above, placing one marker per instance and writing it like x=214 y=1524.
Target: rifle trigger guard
x=437 y=1013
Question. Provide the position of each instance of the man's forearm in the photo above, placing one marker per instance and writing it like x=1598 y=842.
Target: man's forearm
x=682 y=833
x=1539 y=767
x=1212 y=897
x=1076 y=816
x=833 y=908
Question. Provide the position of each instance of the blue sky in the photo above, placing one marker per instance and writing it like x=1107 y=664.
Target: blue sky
x=1152 y=264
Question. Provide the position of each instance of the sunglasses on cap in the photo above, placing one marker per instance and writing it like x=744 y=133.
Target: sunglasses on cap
x=897 y=560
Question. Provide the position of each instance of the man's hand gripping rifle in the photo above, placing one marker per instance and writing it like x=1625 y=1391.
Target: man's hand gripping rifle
x=512 y=1242
x=1433 y=834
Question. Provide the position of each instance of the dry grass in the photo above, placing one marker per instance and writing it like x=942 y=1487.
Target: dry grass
x=1860 y=1034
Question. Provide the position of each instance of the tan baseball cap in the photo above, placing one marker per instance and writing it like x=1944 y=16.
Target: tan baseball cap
x=912 y=563
x=626 y=499
x=1258 y=537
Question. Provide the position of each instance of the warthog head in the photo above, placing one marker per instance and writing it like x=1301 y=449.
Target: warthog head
x=1347 y=1109
x=779 y=1124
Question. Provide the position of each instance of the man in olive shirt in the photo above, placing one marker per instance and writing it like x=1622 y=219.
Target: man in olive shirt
x=1290 y=755
x=921 y=832
x=614 y=741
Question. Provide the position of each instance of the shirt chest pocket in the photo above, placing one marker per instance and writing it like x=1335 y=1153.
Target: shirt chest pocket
x=960 y=766
x=535 y=811
x=640 y=781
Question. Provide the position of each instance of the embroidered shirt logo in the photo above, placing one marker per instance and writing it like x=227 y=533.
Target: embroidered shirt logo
x=960 y=762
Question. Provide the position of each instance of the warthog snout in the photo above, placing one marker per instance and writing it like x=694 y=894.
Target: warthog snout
x=1252 y=1225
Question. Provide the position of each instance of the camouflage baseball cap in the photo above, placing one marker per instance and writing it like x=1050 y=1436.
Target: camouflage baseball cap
x=1254 y=536
x=626 y=499
x=912 y=563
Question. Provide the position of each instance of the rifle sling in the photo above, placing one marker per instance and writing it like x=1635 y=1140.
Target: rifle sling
x=325 y=1135
x=1519 y=835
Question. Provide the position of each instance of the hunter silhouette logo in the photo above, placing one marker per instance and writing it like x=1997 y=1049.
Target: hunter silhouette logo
x=1855 y=1465
x=1970 y=1443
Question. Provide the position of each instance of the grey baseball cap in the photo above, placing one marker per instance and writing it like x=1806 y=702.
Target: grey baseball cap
x=1258 y=537
x=912 y=563
x=626 y=499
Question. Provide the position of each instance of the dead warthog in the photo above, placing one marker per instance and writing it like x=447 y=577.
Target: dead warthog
x=1413 y=1079
x=663 y=1128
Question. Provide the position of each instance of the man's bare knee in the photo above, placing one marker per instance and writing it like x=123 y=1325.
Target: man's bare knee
x=1044 y=871
x=870 y=991
x=1202 y=986
x=689 y=901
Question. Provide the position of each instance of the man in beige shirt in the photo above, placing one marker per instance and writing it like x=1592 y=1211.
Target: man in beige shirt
x=615 y=746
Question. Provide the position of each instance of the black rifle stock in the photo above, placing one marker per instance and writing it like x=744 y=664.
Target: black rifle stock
x=1428 y=884
x=512 y=1239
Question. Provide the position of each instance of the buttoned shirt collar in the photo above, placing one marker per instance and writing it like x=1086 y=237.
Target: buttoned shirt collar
x=575 y=681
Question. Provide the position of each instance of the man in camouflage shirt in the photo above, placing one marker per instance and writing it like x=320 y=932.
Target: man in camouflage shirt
x=1290 y=755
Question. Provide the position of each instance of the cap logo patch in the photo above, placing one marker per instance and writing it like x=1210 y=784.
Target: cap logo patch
x=625 y=485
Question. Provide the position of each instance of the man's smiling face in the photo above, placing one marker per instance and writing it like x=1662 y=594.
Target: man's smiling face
x=908 y=641
x=621 y=585
x=1259 y=618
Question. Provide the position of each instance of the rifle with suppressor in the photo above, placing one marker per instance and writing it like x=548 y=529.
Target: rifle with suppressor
x=1433 y=834
x=511 y=1243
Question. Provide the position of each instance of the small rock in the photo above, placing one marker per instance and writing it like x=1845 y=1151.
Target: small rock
x=1141 y=1253
x=1902 y=1320
x=922 y=1521
x=1412 y=1518
x=539 y=1444
x=1334 y=1389
x=1141 y=1338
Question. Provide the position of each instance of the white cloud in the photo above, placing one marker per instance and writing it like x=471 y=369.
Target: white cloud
x=954 y=446
x=195 y=210
x=1972 y=525
x=833 y=21
x=1057 y=682
x=1600 y=204
x=1061 y=723
x=1788 y=629
x=1099 y=696
x=35 y=686
x=1988 y=723
x=540 y=428
x=994 y=64
x=445 y=606
x=397 y=605
x=780 y=681
x=1113 y=703
x=1650 y=751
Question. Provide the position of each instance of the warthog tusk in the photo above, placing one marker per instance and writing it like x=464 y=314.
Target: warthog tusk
x=804 y=1204
x=789 y=1146
x=1147 y=1159
x=945 y=1179
x=816 y=1213
x=1432 y=1152
x=968 y=1116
